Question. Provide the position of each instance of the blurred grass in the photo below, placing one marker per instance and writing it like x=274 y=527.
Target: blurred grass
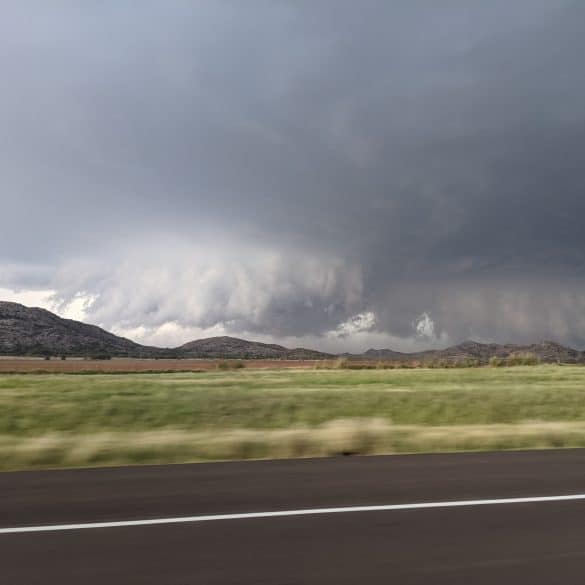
x=61 y=420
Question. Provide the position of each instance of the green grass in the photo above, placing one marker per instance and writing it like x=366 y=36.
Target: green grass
x=60 y=420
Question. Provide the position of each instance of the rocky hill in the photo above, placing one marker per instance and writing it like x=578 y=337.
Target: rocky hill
x=32 y=331
x=546 y=351
x=232 y=347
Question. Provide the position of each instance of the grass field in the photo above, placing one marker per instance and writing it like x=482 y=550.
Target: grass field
x=74 y=420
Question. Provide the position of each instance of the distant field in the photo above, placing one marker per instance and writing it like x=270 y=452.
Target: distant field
x=130 y=365
x=97 y=419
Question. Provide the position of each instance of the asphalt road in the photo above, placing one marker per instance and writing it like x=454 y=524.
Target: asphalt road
x=532 y=543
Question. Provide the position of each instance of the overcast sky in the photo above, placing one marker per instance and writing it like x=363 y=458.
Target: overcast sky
x=341 y=174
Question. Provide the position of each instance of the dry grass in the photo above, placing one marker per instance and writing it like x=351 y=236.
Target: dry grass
x=338 y=437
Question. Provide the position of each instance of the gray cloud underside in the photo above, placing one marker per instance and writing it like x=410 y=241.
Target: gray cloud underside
x=277 y=167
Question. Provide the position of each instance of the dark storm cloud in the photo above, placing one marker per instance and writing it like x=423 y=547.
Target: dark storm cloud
x=277 y=167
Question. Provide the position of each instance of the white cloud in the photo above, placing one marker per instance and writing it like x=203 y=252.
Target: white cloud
x=74 y=308
x=355 y=324
x=30 y=298
x=192 y=293
x=234 y=286
x=168 y=334
x=424 y=326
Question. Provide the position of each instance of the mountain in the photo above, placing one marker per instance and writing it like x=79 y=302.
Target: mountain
x=32 y=331
x=546 y=351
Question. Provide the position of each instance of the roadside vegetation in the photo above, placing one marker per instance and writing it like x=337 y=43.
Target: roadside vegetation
x=71 y=420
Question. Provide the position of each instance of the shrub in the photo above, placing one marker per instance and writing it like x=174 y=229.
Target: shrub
x=515 y=359
x=468 y=363
x=229 y=365
x=523 y=359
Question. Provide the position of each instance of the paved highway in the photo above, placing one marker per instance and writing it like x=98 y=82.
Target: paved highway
x=494 y=536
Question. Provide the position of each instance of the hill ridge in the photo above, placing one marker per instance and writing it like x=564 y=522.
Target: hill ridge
x=546 y=350
x=36 y=331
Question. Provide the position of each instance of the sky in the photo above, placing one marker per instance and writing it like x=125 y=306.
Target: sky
x=328 y=173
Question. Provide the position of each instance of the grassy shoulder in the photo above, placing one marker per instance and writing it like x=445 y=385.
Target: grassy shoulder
x=65 y=420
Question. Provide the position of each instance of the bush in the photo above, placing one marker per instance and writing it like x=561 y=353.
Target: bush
x=523 y=359
x=230 y=365
x=337 y=364
x=468 y=363
x=515 y=359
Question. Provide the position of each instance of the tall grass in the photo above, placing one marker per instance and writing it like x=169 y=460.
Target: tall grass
x=337 y=437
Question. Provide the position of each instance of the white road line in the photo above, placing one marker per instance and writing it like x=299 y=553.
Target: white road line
x=281 y=513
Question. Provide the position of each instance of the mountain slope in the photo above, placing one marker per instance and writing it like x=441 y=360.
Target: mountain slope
x=25 y=330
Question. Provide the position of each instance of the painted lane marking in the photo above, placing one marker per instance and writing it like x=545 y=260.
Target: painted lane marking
x=284 y=513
